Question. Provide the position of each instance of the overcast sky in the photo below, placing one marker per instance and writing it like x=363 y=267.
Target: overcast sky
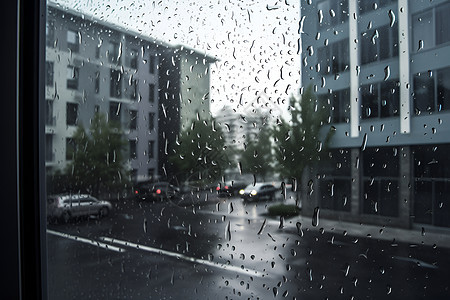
x=255 y=41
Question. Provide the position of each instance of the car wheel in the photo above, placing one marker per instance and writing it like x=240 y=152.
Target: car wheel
x=103 y=212
x=65 y=217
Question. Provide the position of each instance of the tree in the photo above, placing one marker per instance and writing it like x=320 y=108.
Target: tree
x=98 y=163
x=298 y=143
x=257 y=156
x=200 y=152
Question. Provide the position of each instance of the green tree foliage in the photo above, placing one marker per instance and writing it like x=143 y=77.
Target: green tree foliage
x=298 y=143
x=199 y=153
x=257 y=156
x=98 y=163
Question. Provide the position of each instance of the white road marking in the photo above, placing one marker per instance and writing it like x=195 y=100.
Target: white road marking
x=232 y=268
x=87 y=241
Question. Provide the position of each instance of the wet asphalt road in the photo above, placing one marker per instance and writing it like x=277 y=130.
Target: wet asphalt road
x=224 y=249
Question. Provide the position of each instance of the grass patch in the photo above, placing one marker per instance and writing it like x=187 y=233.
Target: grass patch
x=283 y=210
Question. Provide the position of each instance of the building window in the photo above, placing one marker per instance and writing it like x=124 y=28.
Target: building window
x=379 y=44
x=72 y=75
x=151 y=92
x=73 y=40
x=422 y=25
x=133 y=119
x=380 y=99
x=341 y=106
x=49 y=120
x=335 y=187
x=49 y=73
x=431 y=184
x=432 y=91
x=152 y=64
x=97 y=51
x=115 y=84
x=114 y=111
x=131 y=89
x=72 y=114
x=49 y=157
x=380 y=181
x=332 y=13
x=133 y=149
x=423 y=92
x=333 y=58
x=151 y=149
x=443 y=89
x=371 y=5
x=132 y=59
x=97 y=82
x=50 y=33
x=70 y=148
x=151 y=121
x=442 y=24
x=113 y=52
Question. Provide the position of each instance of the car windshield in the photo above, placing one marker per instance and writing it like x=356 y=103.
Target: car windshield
x=247 y=149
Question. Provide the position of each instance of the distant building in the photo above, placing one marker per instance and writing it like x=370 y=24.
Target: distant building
x=239 y=128
x=184 y=96
x=384 y=69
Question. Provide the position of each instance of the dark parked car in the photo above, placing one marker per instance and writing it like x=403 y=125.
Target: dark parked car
x=65 y=207
x=231 y=188
x=156 y=191
x=259 y=191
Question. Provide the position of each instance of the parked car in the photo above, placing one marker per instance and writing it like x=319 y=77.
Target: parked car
x=156 y=191
x=257 y=192
x=66 y=207
x=231 y=188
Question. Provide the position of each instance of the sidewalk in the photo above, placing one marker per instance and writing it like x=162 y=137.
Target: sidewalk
x=429 y=236
x=436 y=237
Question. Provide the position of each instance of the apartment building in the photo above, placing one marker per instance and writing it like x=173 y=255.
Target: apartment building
x=383 y=69
x=184 y=95
x=94 y=67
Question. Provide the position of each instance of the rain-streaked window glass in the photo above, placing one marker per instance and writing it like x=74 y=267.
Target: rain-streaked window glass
x=151 y=92
x=113 y=52
x=73 y=42
x=49 y=73
x=442 y=24
x=72 y=114
x=247 y=149
x=115 y=83
x=133 y=119
x=72 y=75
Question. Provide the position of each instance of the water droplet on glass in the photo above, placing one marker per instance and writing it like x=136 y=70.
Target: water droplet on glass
x=420 y=45
x=275 y=291
x=320 y=16
x=262 y=227
x=281 y=222
x=228 y=232
x=364 y=143
x=299 y=229
x=391 y=17
x=315 y=218
x=387 y=73
x=145 y=225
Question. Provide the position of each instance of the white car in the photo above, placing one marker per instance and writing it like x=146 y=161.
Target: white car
x=259 y=191
x=65 y=207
